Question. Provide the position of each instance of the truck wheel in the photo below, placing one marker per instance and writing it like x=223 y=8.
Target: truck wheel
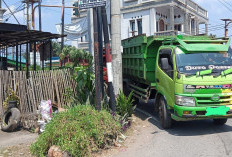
x=11 y=120
x=164 y=115
x=220 y=121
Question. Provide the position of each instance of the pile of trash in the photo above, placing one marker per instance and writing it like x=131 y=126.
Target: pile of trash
x=13 y=119
x=46 y=109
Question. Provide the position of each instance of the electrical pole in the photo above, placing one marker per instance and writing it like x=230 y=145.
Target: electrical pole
x=62 y=29
x=108 y=60
x=116 y=45
x=32 y=14
x=40 y=21
x=27 y=3
x=98 y=88
x=100 y=48
x=227 y=22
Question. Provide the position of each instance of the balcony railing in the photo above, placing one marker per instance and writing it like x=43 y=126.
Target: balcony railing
x=192 y=5
x=169 y=33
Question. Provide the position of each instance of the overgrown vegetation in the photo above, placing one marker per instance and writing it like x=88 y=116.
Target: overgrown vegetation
x=85 y=90
x=83 y=130
x=125 y=109
x=79 y=131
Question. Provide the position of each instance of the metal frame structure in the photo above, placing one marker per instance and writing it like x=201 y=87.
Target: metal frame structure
x=28 y=38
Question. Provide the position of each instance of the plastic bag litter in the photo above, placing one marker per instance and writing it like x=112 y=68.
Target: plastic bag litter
x=45 y=110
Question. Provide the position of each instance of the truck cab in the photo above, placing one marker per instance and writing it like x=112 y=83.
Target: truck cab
x=190 y=79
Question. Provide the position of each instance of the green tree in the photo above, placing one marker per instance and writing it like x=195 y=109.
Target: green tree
x=56 y=49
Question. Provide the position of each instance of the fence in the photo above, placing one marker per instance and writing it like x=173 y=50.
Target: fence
x=41 y=85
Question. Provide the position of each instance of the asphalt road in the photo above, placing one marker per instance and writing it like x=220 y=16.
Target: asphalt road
x=185 y=139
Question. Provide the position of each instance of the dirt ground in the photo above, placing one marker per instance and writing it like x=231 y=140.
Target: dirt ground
x=16 y=144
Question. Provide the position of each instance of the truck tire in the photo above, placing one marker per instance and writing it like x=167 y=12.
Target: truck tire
x=220 y=121
x=11 y=119
x=164 y=115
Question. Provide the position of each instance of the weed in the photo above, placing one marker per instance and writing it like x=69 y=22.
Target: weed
x=79 y=131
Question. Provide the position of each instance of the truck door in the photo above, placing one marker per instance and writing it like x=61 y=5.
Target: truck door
x=164 y=75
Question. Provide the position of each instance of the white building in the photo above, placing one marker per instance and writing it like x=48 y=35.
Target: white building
x=161 y=17
x=150 y=17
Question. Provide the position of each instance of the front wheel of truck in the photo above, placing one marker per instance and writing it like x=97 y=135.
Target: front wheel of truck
x=220 y=121
x=164 y=114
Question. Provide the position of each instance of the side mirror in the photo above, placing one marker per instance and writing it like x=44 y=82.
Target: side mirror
x=164 y=63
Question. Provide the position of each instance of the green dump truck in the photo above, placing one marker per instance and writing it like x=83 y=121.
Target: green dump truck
x=189 y=77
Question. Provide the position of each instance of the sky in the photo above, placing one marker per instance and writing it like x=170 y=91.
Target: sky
x=50 y=16
x=217 y=9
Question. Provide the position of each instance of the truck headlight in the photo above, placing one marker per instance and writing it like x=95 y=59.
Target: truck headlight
x=185 y=101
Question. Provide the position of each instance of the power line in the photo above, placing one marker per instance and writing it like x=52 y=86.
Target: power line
x=212 y=27
x=217 y=29
x=11 y=11
x=18 y=9
x=225 y=5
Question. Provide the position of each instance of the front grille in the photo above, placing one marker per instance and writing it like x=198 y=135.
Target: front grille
x=207 y=101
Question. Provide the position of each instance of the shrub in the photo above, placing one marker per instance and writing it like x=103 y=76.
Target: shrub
x=85 y=90
x=125 y=108
x=125 y=104
x=79 y=131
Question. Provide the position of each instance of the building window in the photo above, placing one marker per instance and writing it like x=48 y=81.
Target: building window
x=161 y=25
x=86 y=38
x=178 y=27
x=157 y=26
x=132 y=26
x=192 y=24
x=140 y=27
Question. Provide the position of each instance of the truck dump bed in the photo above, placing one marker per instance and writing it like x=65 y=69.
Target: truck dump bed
x=138 y=59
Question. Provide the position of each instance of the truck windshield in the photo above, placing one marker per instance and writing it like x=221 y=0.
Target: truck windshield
x=192 y=62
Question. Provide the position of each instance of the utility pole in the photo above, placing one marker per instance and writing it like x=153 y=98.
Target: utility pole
x=27 y=2
x=116 y=45
x=62 y=29
x=108 y=60
x=28 y=26
x=100 y=48
x=227 y=22
x=40 y=21
x=32 y=14
x=98 y=88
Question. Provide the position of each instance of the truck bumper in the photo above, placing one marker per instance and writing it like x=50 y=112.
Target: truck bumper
x=183 y=113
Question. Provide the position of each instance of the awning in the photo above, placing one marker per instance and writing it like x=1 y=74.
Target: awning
x=18 y=38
